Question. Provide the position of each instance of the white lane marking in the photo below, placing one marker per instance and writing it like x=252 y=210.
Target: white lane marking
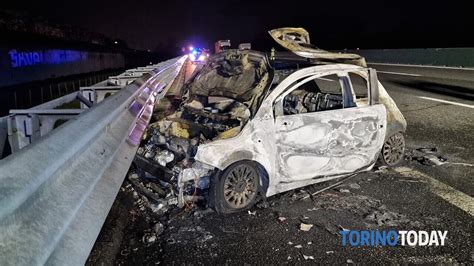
x=444 y=101
x=399 y=73
x=448 y=193
x=462 y=164
x=423 y=66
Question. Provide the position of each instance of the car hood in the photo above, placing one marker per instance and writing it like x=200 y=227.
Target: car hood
x=241 y=75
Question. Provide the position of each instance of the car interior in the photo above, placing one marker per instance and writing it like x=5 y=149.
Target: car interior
x=320 y=94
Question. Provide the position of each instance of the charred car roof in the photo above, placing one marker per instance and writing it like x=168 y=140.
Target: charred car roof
x=297 y=41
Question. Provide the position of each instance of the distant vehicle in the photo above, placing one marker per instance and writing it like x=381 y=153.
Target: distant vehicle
x=198 y=55
x=245 y=46
x=221 y=45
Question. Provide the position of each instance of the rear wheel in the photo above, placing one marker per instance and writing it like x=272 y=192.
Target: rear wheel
x=236 y=188
x=393 y=150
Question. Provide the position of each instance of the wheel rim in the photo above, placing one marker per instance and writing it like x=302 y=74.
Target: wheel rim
x=393 y=149
x=240 y=186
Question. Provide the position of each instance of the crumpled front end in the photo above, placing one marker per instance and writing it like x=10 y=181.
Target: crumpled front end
x=218 y=103
x=170 y=144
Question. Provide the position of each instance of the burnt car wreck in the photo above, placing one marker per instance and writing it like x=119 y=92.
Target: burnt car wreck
x=246 y=127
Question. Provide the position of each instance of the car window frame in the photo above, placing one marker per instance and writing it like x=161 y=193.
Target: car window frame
x=277 y=104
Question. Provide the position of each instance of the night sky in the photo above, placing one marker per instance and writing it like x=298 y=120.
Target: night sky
x=332 y=24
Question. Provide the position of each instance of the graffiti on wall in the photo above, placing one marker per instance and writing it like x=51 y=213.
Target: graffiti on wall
x=44 y=57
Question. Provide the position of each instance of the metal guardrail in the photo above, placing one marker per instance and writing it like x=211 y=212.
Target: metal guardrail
x=55 y=193
x=25 y=126
x=96 y=94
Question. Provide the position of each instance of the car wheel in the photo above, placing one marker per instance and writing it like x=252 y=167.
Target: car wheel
x=236 y=188
x=393 y=150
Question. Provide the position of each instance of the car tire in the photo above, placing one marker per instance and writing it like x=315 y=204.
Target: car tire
x=393 y=150
x=236 y=188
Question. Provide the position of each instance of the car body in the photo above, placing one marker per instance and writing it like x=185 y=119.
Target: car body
x=267 y=127
x=301 y=149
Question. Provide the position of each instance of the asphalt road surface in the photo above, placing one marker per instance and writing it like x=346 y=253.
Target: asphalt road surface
x=438 y=104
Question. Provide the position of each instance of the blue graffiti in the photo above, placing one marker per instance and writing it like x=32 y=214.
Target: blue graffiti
x=45 y=57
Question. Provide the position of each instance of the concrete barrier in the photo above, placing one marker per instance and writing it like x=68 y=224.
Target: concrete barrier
x=452 y=57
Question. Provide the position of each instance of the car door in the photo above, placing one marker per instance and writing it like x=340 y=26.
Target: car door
x=320 y=130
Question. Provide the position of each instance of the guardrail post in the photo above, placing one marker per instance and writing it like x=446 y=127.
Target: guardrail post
x=23 y=130
x=89 y=94
x=3 y=134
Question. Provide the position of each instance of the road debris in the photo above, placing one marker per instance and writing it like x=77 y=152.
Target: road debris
x=382 y=169
x=329 y=187
x=151 y=239
x=411 y=181
x=124 y=252
x=426 y=156
x=200 y=212
x=463 y=164
x=263 y=204
x=300 y=194
x=434 y=160
x=281 y=219
x=298 y=246
x=308 y=257
x=342 y=228
x=371 y=210
x=158 y=228
x=354 y=186
x=305 y=227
